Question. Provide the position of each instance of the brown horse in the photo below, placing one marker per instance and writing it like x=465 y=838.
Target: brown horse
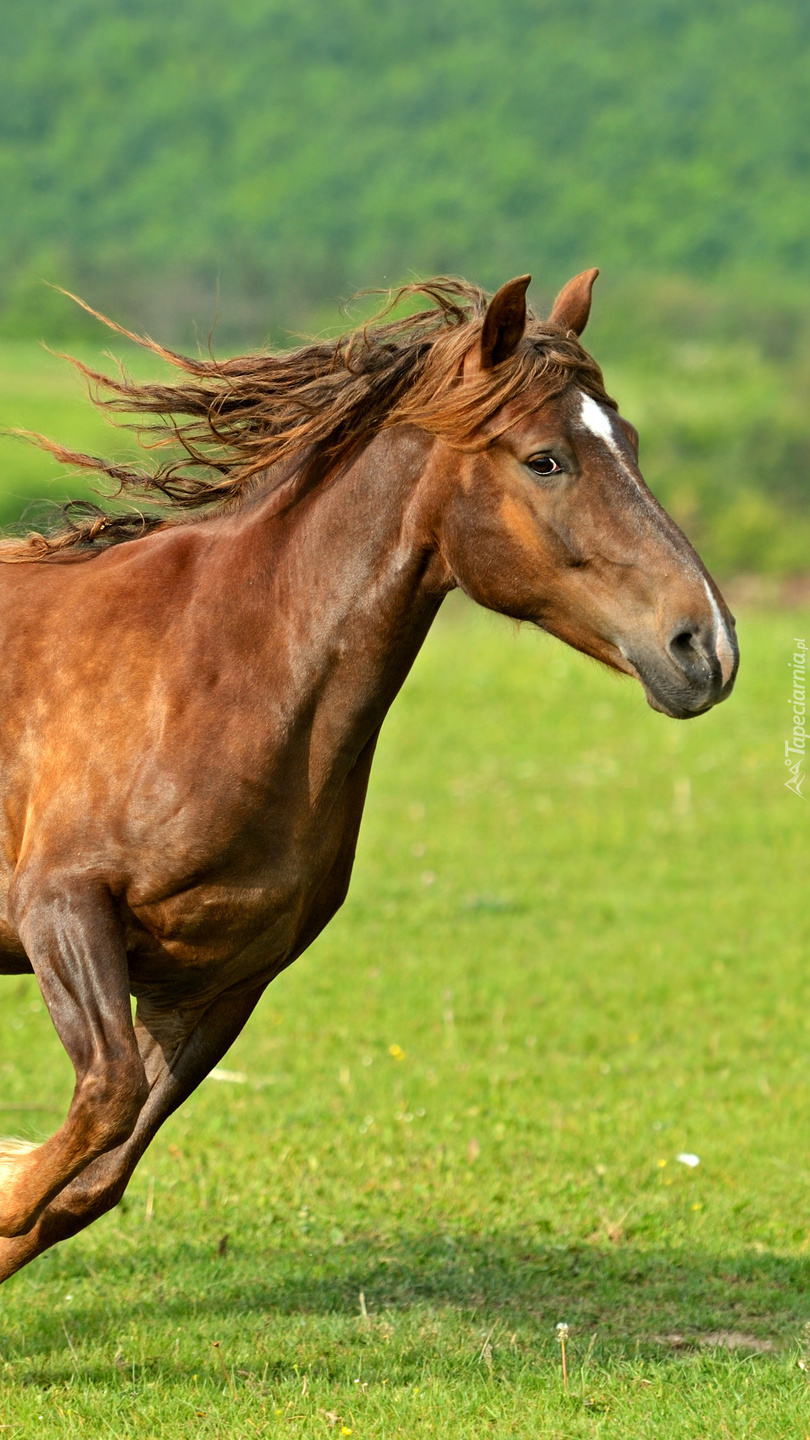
x=191 y=703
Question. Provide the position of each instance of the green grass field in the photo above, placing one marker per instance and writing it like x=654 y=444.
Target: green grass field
x=575 y=948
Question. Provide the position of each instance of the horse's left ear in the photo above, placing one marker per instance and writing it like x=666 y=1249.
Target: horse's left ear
x=573 y=304
x=504 y=322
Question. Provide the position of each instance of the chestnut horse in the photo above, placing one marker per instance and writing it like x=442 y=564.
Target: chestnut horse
x=191 y=702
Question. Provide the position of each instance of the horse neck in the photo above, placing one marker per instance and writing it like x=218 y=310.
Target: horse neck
x=352 y=584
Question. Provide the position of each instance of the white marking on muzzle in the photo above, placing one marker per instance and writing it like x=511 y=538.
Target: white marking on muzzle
x=722 y=640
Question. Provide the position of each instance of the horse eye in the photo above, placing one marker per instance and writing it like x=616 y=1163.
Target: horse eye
x=544 y=465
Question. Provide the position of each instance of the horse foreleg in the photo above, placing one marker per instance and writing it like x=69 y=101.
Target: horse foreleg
x=74 y=942
x=102 y=1183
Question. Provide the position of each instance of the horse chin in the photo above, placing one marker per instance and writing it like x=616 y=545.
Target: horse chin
x=671 y=710
x=678 y=702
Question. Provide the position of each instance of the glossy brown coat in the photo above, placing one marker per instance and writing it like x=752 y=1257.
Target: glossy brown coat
x=189 y=720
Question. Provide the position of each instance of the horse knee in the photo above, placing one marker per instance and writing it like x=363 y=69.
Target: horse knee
x=110 y=1099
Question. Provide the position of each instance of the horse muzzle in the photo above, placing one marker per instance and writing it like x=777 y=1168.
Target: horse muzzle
x=695 y=669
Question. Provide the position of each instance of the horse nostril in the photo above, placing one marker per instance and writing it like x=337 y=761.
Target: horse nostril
x=686 y=650
x=681 y=643
x=692 y=653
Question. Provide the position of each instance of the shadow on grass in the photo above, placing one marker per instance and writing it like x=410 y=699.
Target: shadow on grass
x=628 y=1301
x=626 y=1293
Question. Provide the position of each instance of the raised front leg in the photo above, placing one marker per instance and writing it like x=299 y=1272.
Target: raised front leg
x=73 y=939
x=100 y=1186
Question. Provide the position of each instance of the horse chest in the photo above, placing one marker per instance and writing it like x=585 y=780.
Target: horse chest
x=246 y=921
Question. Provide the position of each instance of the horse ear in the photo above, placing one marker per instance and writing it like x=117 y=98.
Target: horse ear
x=573 y=304
x=504 y=322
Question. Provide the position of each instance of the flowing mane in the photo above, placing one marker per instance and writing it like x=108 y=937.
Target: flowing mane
x=225 y=423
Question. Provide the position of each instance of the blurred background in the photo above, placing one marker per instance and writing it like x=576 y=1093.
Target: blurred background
x=194 y=167
x=574 y=948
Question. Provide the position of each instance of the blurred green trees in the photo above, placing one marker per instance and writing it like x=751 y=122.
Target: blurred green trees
x=251 y=164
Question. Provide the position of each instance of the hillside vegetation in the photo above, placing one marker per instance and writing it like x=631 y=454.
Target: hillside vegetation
x=251 y=165
x=301 y=150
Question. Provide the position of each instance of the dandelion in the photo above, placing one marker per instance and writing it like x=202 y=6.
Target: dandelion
x=803 y=1361
x=396 y=1052
x=562 y=1336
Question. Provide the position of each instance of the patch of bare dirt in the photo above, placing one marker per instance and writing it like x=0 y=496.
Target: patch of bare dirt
x=720 y=1340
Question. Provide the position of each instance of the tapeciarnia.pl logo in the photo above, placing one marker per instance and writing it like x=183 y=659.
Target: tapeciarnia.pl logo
x=797 y=746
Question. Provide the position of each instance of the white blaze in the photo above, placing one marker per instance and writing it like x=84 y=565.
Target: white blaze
x=596 y=419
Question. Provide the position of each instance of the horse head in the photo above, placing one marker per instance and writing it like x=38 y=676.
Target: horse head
x=549 y=519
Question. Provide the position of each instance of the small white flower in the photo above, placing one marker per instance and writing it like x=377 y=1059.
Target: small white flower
x=687 y=1159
